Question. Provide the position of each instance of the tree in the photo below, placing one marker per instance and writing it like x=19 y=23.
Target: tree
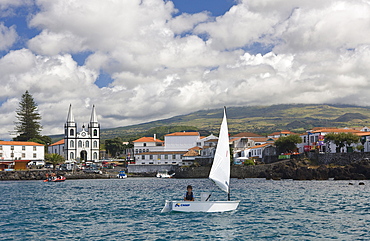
x=287 y=143
x=342 y=139
x=28 y=125
x=44 y=140
x=54 y=159
x=114 y=146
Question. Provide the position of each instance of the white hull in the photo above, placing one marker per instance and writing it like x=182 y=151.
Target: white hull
x=196 y=206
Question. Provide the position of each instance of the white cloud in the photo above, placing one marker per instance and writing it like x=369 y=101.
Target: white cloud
x=8 y=36
x=163 y=65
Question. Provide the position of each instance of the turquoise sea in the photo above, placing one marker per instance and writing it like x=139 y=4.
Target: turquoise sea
x=116 y=209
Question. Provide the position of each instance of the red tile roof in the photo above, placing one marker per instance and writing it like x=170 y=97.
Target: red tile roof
x=259 y=146
x=199 y=148
x=58 y=143
x=261 y=139
x=336 y=130
x=147 y=139
x=191 y=153
x=20 y=143
x=184 y=134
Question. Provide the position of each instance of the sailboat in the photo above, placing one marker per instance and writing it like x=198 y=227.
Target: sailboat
x=219 y=174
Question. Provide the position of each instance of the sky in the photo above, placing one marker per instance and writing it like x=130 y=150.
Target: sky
x=144 y=60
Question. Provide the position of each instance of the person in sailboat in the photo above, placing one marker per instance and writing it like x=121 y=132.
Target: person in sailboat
x=189 y=196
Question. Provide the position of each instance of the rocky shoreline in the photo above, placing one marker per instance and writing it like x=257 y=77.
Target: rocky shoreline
x=301 y=169
x=41 y=174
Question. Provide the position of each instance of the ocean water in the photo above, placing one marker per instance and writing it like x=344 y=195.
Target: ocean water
x=117 y=209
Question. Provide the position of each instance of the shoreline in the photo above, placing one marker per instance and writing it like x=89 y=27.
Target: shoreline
x=300 y=169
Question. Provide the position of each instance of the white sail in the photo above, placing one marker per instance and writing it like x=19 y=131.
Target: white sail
x=220 y=171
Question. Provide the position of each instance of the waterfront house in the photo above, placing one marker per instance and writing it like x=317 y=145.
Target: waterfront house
x=17 y=154
x=315 y=139
x=148 y=144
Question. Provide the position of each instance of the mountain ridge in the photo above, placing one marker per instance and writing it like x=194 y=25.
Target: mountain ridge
x=257 y=119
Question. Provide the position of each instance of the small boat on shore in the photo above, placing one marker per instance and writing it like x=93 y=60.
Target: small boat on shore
x=122 y=175
x=164 y=174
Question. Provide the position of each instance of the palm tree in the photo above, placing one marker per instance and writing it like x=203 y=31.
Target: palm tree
x=54 y=159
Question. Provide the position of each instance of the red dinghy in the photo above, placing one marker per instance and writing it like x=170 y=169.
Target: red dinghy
x=53 y=178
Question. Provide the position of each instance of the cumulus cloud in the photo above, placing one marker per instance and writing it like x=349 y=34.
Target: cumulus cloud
x=8 y=36
x=163 y=63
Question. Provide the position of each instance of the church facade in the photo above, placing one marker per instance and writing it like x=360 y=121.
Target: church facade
x=80 y=145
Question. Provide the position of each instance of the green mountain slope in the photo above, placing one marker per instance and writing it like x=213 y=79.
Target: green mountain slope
x=258 y=119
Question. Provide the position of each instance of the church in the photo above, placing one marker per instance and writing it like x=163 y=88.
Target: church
x=80 y=146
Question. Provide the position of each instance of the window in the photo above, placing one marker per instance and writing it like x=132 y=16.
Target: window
x=95 y=156
x=173 y=156
x=136 y=151
x=12 y=148
x=71 y=132
x=199 y=143
x=151 y=157
x=34 y=148
x=87 y=144
x=143 y=163
x=180 y=156
x=166 y=157
x=11 y=155
x=1 y=147
x=147 y=150
x=34 y=155
x=71 y=155
x=151 y=163
x=159 y=157
x=95 y=132
x=304 y=139
x=23 y=148
x=95 y=144
x=23 y=155
x=79 y=143
x=165 y=162
x=1 y=154
x=144 y=144
x=143 y=157
x=173 y=162
x=72 y=144
x=140 y=150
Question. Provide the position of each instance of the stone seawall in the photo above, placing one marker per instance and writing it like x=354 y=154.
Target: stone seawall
x=340 y=159
x=41 y=174
x=238 y=171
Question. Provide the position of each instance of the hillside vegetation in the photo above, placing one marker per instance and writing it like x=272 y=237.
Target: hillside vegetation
x=257 y=119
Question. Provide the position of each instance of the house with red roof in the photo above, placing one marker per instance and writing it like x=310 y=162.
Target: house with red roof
x=17 y=154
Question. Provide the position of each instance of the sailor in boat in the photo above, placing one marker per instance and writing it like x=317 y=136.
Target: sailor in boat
x=189 y=196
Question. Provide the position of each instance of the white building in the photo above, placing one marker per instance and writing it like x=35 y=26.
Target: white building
x=150 y=150
x=252 y=152
x=160 y=158
x=83 y=145
x=148 y=144
x=181 y=141
x=21 y=150
x=315 y=140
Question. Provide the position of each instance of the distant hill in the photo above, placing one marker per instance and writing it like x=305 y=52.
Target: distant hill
x=257 y=119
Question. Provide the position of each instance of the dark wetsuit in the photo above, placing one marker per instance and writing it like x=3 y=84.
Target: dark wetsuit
x=189 y=197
